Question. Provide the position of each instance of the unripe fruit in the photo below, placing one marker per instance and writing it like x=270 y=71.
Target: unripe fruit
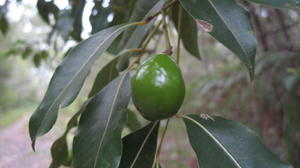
x=158 y=88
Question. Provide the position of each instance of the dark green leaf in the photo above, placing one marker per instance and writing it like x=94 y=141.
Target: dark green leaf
x=27 y=51
x=279 y=3
x=133 y=38
x=39 y=56
x=69 y=77
x=59 y=149
x=98 y=142
x=45 y=8
x=139 y=147
x=105 y=75
x=11 y=52
x=4 y=25
x=98 y=17
x=132 y=122
x=189 y=31
x=220 y=143
x=37 y=60
x=77 y=12
x=227 y=22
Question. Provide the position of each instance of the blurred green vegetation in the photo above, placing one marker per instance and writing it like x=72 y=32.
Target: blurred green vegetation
x=218 y=85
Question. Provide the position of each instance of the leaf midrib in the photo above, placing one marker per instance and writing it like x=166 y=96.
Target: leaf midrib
x=222 y=18
x=216 y=140
x=57 y=98
x=109 y=118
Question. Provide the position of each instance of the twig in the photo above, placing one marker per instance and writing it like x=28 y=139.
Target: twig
x=179 y=34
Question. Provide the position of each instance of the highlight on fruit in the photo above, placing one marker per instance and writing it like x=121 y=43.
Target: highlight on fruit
x=158 y=88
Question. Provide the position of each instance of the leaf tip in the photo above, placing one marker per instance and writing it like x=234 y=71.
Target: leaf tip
x=33 y=145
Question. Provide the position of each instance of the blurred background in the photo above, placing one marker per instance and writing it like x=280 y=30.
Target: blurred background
x=35 y=35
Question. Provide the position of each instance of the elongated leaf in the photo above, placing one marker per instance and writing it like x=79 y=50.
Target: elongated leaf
x=98 y=142
x=77 y=13
x=220 y=143
x=59 y=149
x=279 y=3
x=69 y=77
x=133 y=37
x=105 y=75
x=189 y=31
x=228 y=23
x=139 y=147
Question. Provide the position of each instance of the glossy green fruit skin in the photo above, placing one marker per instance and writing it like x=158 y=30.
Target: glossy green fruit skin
x=158 y=88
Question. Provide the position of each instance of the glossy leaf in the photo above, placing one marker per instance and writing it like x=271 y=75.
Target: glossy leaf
x=227 y=22
x=133 y=37
x=98 y=142
x=279 y=3
x=105 y=75
x=139 y=147
x=59 y=149
x=69 y=77
x=219 y=143
x=189 y=30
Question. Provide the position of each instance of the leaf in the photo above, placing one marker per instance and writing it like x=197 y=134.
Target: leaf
x=69 y=77
x=220 y=142
x=59 y=149
x=98 y=17
x=27 y=51
x=77 y=13
x=132 y=122
x=98 y=142
x=139 y=147
x=45 y=8
x=4 y=25
x=189 y=30
x=39 y=56
x=133 y=38
x=105 y=75
x=278 y=3
x=228 y=23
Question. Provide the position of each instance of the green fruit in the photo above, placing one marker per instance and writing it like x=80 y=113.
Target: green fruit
x=158 y=88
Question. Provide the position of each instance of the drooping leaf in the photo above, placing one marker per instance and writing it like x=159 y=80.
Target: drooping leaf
x=132 y=122
x=228 y=23
x=220 y=143
x=279 y=3
x=133 y=38
x=98 y=17
x=189 y=31
x=139 y=147
x=105 y=75
x=47 y=8
x=59 y=149
x=98 y=142
x=4 y=25
x=77 y=13
x=69 y=77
